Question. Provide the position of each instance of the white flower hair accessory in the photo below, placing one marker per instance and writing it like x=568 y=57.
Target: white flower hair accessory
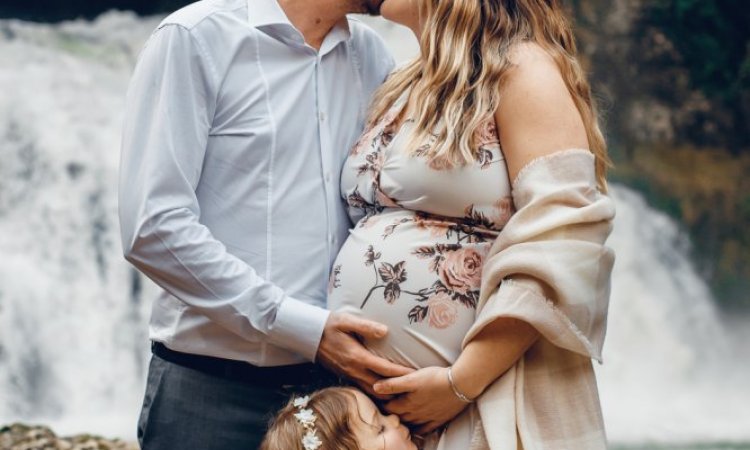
x=301 y=401
x=307 y=418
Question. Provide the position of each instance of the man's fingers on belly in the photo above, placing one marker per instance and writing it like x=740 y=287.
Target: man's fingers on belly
x=366 y=328
x=364 y=377
x=385 y=368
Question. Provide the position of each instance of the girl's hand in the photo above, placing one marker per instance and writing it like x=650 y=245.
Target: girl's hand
x=426 y=399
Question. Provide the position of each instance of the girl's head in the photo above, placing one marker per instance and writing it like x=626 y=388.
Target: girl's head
x=465 y=54
x=344 y=419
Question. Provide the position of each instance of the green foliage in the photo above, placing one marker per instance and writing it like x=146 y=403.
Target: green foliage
x=713 y=37
x=745 y=67
x=707 y=192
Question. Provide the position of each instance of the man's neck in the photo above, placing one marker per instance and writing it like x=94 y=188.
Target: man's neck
x=314 y=19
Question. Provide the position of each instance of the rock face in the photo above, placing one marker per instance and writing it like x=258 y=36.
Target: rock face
x=672 y=79
x=669 y=71
x=26 y=437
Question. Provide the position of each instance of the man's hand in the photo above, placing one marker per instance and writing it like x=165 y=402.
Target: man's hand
x=342 y=352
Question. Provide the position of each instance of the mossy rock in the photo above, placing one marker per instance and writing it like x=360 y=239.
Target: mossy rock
x=30 y=437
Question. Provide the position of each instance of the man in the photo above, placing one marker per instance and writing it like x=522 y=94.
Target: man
x=239 y=116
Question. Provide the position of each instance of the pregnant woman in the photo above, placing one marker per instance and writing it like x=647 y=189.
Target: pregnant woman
x=478 y=194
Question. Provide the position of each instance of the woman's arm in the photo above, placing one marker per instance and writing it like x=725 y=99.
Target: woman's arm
x=428 y=400
x=537 y=117
x=490 y=354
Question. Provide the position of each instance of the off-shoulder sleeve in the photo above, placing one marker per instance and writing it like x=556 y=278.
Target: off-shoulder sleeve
x=555 y=245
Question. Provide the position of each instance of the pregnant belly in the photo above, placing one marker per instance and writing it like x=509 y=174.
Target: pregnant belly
x=417 y=275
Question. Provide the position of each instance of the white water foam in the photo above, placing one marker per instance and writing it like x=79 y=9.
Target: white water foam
x=72 y=313
x=73 y=342
x=673 y=370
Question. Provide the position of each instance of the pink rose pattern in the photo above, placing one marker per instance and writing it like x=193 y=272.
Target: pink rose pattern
x=458 y=270
x=442 y=311
x=457 y=264
x=493 y=217
x=486 y=134
x=461 y=270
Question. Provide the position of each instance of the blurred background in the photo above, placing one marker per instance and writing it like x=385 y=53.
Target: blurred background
x=672 y=79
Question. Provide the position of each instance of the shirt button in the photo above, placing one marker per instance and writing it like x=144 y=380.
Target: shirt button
x=332 y=239
x=328 y=178
x=322 y=117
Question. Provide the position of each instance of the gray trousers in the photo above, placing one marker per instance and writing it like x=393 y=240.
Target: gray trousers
x=186 y=409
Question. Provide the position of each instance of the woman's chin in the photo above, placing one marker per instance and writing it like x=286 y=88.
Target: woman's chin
x=384 y=14
x=392 y=11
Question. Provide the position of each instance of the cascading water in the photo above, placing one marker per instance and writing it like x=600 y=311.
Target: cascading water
x=673 y=370
x=73 y=314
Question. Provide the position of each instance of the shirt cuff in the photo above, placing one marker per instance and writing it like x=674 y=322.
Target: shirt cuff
x=299 y=327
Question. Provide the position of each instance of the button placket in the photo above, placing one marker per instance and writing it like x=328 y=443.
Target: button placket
x=325 y=150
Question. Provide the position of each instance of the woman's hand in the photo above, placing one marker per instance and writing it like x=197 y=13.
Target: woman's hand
x=425 y=398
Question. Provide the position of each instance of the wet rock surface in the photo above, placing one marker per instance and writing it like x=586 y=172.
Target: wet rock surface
x=35 y=437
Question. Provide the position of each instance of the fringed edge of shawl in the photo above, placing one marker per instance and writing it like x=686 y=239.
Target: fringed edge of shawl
x=562 y=316
x=543 y=159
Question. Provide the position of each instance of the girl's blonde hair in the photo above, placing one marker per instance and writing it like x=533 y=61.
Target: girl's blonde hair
x=464 y=59
x=333 y=424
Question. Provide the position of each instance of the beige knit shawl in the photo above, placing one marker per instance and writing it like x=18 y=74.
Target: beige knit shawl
x=549 y=398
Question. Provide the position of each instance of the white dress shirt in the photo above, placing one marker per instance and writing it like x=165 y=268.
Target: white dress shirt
x=235 y=134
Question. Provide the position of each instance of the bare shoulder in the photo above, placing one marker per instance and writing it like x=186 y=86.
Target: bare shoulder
x=536 y=115
x=532 y=64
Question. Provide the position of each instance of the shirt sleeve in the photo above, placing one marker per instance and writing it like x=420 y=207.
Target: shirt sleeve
x=375 y=62
x=168 y=115
x=389 y=63
x=384 y=58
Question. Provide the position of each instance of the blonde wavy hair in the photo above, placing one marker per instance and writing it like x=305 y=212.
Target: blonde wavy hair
x=333 y=424
x=465 y=55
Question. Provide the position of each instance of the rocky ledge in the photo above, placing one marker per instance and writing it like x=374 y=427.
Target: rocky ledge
x=30 y=437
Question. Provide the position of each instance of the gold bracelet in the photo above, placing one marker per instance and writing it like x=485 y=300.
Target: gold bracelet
x=458 y=393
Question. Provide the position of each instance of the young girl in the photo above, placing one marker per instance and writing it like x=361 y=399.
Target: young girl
x=338 y=418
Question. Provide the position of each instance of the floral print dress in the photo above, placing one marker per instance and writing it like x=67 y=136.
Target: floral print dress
x=414 y=258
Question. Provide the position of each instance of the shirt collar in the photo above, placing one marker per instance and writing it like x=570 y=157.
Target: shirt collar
x=341 y=30
x=265 y=13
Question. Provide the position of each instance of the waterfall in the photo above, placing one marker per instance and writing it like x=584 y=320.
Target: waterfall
x=73 y=313
x=673 y=370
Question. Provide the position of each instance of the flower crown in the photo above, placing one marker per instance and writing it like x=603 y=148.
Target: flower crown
x=307 y=418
